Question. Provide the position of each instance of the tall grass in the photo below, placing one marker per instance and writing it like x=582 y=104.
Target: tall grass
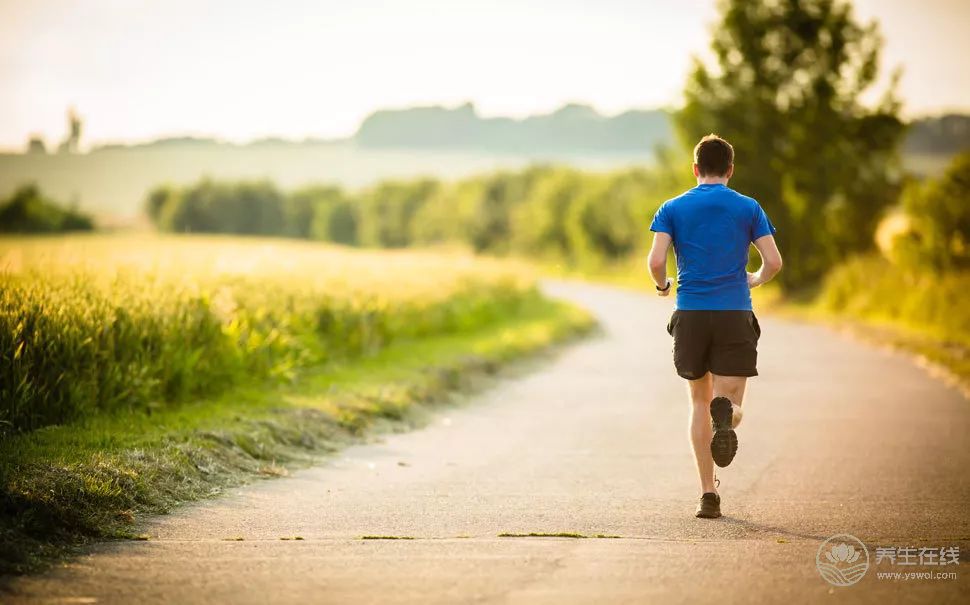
x=98 y=324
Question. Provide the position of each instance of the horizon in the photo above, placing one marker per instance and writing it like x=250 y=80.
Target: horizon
x=202 y=136
x=243 y=74
x=214 y=138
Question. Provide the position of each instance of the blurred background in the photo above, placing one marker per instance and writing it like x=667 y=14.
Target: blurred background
x=549 y=130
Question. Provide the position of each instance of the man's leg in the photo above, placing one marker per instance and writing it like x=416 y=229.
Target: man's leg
x=725 y=416
x=731 y=387
x=701 y=393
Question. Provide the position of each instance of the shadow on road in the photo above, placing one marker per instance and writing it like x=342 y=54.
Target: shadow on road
x=769 y=529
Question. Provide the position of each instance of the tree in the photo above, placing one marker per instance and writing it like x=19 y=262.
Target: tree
x=448 y=215
x=386 y=211
x=538 y=223
x=156 y=201
x=938 y=212
x=27 y=210
x=251 y=208
x=334 y=214
x=298 y=214
x=785 y=92
x=489 y=228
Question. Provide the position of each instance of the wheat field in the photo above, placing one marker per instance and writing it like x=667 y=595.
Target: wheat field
x=91 y=324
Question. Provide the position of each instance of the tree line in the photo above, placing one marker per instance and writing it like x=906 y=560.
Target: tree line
x=553 y=213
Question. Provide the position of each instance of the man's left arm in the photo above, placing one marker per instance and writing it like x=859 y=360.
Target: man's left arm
x=770 y=261
x=657 y=261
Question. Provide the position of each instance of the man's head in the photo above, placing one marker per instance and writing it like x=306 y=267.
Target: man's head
x=713 y=158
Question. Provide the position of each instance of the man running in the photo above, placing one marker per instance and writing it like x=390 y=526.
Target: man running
x=715 y=330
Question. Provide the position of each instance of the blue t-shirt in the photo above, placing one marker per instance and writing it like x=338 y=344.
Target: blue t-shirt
x=712 y=227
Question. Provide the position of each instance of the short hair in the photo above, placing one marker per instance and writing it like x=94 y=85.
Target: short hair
x=713 y=156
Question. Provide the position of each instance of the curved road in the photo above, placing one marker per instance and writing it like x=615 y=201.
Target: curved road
x=837 y=438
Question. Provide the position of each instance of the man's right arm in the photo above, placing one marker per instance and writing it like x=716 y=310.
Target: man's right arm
x=770 y=261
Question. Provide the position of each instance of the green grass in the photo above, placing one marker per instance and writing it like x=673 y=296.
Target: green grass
x=96 y=478
x=97 y=323
x=562 y=534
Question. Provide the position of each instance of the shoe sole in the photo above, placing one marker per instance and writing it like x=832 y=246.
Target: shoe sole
x=724 y=444
x=716 y=515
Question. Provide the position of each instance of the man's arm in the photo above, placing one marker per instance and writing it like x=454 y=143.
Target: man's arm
x=657 y=260
x=770 y=261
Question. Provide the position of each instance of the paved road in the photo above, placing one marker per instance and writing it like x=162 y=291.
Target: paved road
x=838 y=438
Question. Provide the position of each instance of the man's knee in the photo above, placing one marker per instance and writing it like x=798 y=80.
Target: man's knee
x=731 y=387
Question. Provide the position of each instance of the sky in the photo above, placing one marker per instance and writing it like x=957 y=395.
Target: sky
x=139 y=69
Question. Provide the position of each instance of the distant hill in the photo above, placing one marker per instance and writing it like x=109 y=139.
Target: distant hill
x=581 y=129
x=945 y=134
x=207 y=142
x=571 y=129
x=163 y=143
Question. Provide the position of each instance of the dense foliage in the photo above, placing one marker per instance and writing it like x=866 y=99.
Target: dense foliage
x=922 y=277
x=28 y=211
x=785 y=91
x=251 y=208
x=554 y=213
x=938 y=215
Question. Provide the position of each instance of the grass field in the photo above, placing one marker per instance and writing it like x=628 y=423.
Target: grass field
x=92 y=324
x=139 y=373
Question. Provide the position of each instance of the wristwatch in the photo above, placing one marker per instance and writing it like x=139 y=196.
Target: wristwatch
x=667 y=287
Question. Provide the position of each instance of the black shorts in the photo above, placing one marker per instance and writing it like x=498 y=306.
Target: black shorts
x=722 y=342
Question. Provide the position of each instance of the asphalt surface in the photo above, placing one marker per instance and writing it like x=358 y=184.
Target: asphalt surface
x=837 y=438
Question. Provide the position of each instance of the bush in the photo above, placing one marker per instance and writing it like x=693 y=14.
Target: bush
x=871 y=288
x=938 y=213
x=387 y=210
x=28 y=211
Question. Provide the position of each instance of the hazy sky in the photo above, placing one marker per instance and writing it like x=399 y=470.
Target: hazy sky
x=239 y=69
